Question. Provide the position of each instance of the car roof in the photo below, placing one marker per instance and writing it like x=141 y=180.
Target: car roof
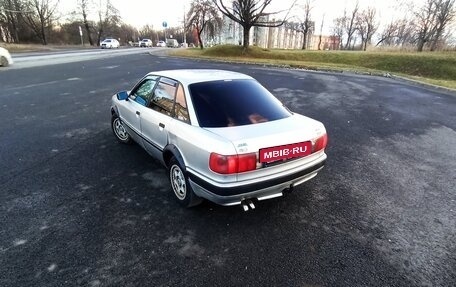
x=190 y=76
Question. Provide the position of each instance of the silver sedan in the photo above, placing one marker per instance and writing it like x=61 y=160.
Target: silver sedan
x=221 y=135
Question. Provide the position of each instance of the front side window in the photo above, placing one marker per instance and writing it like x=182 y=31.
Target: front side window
x=143 y=92
x=234 y=103
x=163 y=98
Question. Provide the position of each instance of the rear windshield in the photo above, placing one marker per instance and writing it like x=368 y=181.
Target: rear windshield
x=234 y=103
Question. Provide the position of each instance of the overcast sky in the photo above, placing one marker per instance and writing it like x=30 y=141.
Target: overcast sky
x=153 y=12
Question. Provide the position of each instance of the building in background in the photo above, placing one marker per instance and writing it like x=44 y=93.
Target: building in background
x=327 y=42
x=286 y=36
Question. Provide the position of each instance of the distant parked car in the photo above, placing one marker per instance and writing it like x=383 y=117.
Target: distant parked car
x=161 y=44
x=172 y=43
x=109 y=44
x=145 y=43
x=5 y=58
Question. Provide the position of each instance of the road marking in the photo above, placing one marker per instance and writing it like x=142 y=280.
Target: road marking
x=73 y=79
x=110 y=67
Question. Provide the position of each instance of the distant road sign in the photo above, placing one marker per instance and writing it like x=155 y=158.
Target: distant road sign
x=164 y=24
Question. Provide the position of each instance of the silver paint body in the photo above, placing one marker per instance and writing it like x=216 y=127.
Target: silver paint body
x=195 y=144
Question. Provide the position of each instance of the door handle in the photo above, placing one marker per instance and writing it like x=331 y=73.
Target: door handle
x=138 y=113
x=161 y=125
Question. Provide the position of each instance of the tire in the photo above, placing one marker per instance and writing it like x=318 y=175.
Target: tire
x=4 y=62
x=119 y=130
x=180 y=185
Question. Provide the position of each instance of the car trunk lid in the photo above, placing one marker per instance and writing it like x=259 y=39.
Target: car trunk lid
x=253 y=138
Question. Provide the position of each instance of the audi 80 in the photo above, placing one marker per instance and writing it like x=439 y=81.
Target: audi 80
x=221 y=135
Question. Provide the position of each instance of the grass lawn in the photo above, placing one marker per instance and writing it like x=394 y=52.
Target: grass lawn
x=438 y=68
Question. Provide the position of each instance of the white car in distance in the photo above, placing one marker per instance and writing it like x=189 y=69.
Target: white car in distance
x=5 y=58
x=109 y=43
x=145 y=43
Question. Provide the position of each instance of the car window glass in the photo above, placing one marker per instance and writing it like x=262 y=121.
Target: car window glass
x=234 y=103
x=180 y=108
x=144 y=92
x=163 y=97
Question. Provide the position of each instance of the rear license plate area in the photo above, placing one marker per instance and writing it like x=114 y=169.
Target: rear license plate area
x=278 y=153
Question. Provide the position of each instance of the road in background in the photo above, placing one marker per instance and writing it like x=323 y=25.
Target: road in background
x=40 y=59
x=78 y=208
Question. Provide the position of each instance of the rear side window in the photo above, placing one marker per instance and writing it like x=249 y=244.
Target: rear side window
x=234 y=103
x=180 y=107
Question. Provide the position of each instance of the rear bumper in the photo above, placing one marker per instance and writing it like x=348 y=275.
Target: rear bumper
x=261 y=190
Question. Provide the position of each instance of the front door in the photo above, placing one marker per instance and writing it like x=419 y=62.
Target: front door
x=136 y=105
x=156 y=123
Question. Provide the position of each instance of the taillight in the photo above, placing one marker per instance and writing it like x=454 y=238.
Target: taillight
x=228 y=164
x=320 y=143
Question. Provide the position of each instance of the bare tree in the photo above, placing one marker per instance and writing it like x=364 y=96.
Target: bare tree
x=148 y=31
x=108 y=15
x=338 y=29
x=306 y=26
x=386 y=37
x=40 y=17
x=445 y=14
x=321 y=32
x=366 y=26
x=405 y=34
x=250 y=13
x=350 y=27
x=425 y=19
x=204 y=16
x=84 y=6
x=11 y=19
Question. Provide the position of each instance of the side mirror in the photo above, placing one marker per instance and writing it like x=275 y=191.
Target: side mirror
x=121 y=96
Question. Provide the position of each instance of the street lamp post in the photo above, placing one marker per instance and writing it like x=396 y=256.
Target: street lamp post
x=164 y=24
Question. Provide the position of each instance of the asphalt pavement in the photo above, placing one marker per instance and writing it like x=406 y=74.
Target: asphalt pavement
x=79 y=209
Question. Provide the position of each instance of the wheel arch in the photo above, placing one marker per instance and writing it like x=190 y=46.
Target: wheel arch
x=114 y=111
x=172 y=151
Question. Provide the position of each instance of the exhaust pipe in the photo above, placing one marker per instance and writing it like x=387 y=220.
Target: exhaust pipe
x=288 y=190
x=247 y=204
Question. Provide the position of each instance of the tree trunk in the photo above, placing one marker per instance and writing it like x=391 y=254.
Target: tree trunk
x=12 y=26
x=199 y=39
x=87 y=27
x=420 y=45
x=246 y=42
x=43 y=32
x=319 y=42
x=304 y=42
x=100 y=33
